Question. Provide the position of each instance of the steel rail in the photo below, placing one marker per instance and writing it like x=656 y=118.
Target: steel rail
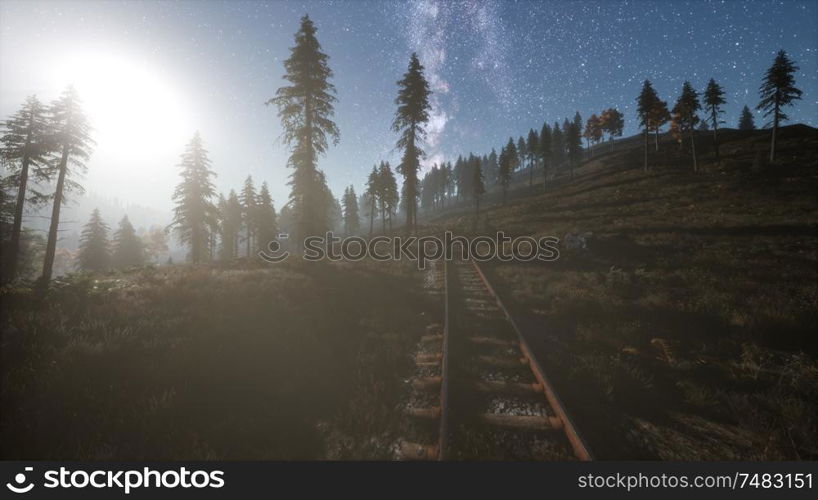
x=578 y=444
x=443 y=437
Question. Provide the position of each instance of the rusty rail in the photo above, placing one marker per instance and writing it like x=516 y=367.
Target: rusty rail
x=578 y=444
x=443 y=437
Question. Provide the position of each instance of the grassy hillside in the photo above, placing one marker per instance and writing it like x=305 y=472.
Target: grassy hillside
x=297 y=361
x=686 y=327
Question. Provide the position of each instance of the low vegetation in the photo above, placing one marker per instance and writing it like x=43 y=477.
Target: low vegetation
x=683 y=327
x=290 y=362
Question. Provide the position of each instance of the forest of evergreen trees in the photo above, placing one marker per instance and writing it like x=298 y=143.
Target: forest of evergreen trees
x=50 y=145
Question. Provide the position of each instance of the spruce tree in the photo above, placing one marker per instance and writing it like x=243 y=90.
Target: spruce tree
x=508 y=159
x=231 y=218
x=72 y=142
x=713 y=100
x=532 y=148
x=646 y=105
x=350 y=204
x=746 y=121
x=660 y=115
x=129 y=250
x=410 y=119
x=94 y=251
x=388 y=191
x=685 y=109
x=557 y=145
x=778 y=90
x=573 y=139
x=522 y=153
x=478 y=189
x=195 y=213
x=26 y=144
x=306 y=109
x=373 y=190
x=545 y=151
x=248 y=199
x=266 y=221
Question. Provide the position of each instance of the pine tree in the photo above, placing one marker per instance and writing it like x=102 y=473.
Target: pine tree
x=306 y=108
x=72 y=140
x=373 y=190
x=646 y=105
x=443 y=182
x=410 y=118
x=194 y=213
x=508 y=159
x=778 y=90
x=713 y=100
x=128 y=248
x=26 y=144
x=231 y=216
x=248 y=199
x=545 y=151
x=746 y=121
x=492 y=168
x=557 y=146
x=532 y=148
x=266 y=223
x=94 y=253
x=388 y=191
x=578 y=123
x=478 y=189
x=522 y=153
x=659 y=116
x=573 y=139
x=350 y=205
x=686 y=107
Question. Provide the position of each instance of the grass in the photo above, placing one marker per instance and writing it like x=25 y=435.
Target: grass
x=685 y=330
x=208 y=363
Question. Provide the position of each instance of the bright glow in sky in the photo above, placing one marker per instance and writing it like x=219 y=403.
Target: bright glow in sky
x=154 y=72
x=137 y=113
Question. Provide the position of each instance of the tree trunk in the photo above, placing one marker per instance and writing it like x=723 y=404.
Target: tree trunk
x=715 y=135
x=14 y=250
x=646 y=149
x=656 y=140
x=383 y=219
x=775 y=129
x=371 y=216
x=693 y=149
x=531 y=174
x=51 y=245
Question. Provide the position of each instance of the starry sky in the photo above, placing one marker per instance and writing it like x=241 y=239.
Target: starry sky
x=496 y=68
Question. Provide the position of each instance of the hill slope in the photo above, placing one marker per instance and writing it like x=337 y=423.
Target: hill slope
x=685 y=328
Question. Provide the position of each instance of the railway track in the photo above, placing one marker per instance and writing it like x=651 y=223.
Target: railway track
x=478 y=391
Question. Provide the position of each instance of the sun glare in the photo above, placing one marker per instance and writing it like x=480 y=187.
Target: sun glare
x=132 y=107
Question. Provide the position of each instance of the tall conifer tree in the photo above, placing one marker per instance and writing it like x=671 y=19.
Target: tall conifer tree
x=410 y=119
x=306 y=109
x=195 y=214
x=94 y=252
x=72 y=144
x=26 y=144
x=713 y=101
x=778 y=90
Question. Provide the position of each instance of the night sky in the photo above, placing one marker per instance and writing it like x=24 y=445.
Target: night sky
x=496 y=69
